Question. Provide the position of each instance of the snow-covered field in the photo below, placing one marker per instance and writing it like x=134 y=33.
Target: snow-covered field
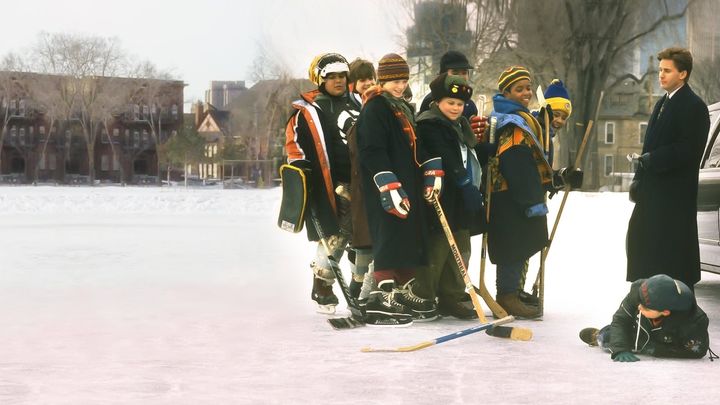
x=174 y=296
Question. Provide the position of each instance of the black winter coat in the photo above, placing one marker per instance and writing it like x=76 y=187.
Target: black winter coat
x=512 y=236
x=439 y=138
x=384 y=146
x=662 y=234
x=302 y=148
x=681 y=334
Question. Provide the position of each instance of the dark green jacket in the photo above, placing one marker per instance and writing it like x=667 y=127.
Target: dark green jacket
x=681 y=334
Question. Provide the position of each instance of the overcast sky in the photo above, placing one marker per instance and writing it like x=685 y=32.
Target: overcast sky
x=205 y=40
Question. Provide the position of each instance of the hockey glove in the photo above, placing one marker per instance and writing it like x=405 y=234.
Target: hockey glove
x=433 y=174
x=393 y=198
x=479 y=126
x=625 y=357
x=572 y=176
x=541 y=117
x=536 y=210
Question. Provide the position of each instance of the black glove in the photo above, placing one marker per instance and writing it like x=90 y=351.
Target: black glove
x=541 y=117
x=644 y=160
x=572 y=176
x=634 y=190
x=472 y=197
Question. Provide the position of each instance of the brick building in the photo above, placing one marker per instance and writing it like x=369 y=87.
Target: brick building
x=55 y=128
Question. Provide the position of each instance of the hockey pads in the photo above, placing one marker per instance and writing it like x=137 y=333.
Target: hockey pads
x=393 y=198
x=432 y=175
x=294 y=198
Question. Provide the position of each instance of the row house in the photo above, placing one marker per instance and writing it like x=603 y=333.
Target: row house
x=44 y=140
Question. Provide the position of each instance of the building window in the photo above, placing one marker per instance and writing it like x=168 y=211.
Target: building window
x=13 y=133
x=41 y=162
x=145 y=111
x=145 y=137
x=153 y=110
x=136 y=111
x=136 y=139
x=174 y=110
x=116 y=132
x=609 y=164
x=116 y=163
x=104 y=136
x=22 y=136
x=127 y=137
x=609 y=132
x=642 y=130
x=21 y=107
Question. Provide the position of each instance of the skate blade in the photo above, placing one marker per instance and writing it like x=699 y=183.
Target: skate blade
x=328 y=309
x=345 y=323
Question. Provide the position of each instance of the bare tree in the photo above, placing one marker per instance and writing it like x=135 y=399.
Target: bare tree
x=157 y=106
x=13 y=90
x=82 y=64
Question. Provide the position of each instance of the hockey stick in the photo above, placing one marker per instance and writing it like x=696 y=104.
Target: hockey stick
x=356 y=320
x=512 y=333
x=458 y=259
x=497 y=310
x=539 y=285
x=441 y=339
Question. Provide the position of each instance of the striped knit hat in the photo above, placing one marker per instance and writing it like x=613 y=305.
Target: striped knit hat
x=392 y=67
x=512 y=75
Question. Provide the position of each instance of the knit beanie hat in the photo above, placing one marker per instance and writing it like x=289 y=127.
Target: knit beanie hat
x=324 y=64
x=450 y=86
x=662 y=292
x=511 y=75
x=392 y=67
x=453 y=60
x=361 y=69
x=557 y=96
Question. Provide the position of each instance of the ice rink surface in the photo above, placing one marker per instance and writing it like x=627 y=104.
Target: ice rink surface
x=194 y=296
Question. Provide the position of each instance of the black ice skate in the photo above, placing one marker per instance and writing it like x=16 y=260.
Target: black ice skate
x=589 y=336
x=324 y=296
x=421 y=309
x=382 y=310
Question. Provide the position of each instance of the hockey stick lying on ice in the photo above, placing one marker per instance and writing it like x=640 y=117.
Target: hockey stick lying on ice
x=356 y=320
x=513 y=332
x=441 y=339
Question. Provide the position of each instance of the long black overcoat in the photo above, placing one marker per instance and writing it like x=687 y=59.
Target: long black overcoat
x=384 y=146
x=662 y=234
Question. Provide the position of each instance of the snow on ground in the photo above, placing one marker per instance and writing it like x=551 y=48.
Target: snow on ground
x=193 y=296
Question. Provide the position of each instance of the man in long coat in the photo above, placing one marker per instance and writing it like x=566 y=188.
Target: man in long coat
x=662 y=235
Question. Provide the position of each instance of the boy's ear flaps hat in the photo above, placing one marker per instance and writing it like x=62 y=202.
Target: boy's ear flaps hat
x=445 y=85
x=512 y=75
x=662 y=292
x=557 y=96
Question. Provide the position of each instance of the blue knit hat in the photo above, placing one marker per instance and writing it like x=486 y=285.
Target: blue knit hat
x=557 y=96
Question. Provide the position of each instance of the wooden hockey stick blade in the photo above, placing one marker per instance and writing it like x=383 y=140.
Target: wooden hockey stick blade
x=441 y=339
x=510 y=332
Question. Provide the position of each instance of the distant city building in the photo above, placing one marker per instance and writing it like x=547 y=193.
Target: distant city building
x=45 y=140
x=222 y=93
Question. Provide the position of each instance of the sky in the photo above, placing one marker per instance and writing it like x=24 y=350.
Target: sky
x=199 y=41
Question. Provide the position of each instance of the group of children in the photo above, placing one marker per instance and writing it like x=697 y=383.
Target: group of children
x=375 y=166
